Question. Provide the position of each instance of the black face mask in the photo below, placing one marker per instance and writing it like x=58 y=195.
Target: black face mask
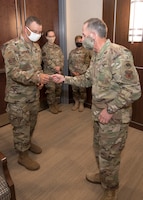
x=78 y=44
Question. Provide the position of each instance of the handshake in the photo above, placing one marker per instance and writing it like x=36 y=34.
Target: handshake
x=45 y=78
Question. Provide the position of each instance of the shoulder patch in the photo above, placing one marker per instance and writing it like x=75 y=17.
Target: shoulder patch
x=129 y=74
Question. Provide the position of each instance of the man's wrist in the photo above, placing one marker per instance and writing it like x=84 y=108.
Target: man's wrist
x=110 y=110
x=38 y=78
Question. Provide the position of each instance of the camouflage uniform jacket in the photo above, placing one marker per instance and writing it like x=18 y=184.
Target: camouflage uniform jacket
x=114 y=80
x=52 y=56
x=79 y=60
x=22 y=65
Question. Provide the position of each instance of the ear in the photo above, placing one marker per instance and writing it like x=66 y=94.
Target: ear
x=93 y=35
x=24 y=28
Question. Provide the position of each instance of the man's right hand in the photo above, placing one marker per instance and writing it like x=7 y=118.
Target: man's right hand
x=58 y=78
x=43 y=78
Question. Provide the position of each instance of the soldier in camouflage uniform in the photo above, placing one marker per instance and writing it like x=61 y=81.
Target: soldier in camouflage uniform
x=53 y=62
x=24 y=78
x=115 y=86
x=79 y=59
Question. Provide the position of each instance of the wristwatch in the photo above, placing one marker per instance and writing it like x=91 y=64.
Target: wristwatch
x=109 y=110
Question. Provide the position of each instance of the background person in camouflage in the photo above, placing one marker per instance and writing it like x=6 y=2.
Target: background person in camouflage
x=79 y=60
x=24 y=78
x=53 y=62
x=115 y=86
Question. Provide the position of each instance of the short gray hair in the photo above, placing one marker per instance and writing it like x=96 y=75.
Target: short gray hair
x=31 y=19
x=97 y=25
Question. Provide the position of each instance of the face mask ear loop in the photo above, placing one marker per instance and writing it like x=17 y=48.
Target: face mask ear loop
x=34 y=37
x=28 y=29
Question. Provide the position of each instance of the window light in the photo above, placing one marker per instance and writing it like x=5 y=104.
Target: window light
x=136 y=21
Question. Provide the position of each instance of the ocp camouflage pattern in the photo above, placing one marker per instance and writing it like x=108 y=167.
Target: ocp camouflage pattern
x=79 y=60
x=114 y=80
x=22 y=65
x=52 y=56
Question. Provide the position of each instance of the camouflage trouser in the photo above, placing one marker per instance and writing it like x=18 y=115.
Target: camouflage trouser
x=53 y=91
x=23 y=117
x=109 y=140
x=79 y=93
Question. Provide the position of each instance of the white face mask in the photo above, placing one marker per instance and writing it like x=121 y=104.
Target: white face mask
x=88 y=43
x=34 y=37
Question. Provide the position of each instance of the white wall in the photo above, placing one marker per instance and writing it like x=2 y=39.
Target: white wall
x=72 y=15
x=77 y=12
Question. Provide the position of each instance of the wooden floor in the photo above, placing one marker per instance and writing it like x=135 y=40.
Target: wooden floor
x=66 y=140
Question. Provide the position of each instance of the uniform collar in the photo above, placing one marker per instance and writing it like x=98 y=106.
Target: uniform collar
x=103 y=49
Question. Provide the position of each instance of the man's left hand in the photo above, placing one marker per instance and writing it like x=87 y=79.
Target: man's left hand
x=104 y=116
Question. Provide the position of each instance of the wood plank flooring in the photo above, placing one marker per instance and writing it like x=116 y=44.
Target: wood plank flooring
x=66 y=140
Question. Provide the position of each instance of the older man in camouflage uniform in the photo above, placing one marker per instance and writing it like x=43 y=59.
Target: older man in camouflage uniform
x=115 y=86
x=24 y=78
x=53 y=62
x=79 y=60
